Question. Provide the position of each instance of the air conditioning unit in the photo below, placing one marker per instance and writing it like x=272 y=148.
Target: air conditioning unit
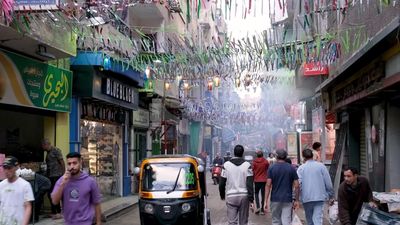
x=174 y=6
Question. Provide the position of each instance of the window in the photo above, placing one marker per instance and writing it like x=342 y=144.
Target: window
x=162 y=177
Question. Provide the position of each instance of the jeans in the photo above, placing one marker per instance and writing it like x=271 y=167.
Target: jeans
x=281 y=213
x=314 y=212
x=238 y=210
x=260 y=186
x=55 y=209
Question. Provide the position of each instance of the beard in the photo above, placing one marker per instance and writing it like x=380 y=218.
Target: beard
x=75 y=171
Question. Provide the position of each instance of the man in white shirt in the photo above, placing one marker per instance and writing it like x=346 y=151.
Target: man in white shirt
x=236 y=185
x=16 y=196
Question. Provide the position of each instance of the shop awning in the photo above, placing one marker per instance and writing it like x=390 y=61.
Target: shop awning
x=107 y=63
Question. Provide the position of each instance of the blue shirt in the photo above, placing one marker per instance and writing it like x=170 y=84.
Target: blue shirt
x=282 y=175
x=315 y=182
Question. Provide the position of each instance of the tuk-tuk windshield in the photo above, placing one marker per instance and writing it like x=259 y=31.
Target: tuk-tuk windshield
x=162 y=177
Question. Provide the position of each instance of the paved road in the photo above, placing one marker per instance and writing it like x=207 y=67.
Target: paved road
x=218 y=212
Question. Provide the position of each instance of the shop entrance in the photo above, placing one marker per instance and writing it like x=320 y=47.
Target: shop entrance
x=21 y=132
x=140 y=146
x=101 y=153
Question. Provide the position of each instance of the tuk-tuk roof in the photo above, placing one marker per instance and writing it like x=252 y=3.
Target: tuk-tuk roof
x=174 y=158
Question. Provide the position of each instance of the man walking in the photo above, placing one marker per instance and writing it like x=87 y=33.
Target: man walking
x=55 y=169
x=260 y=168
x=236 y=184
x=79 y=194
x=282 y=177
x=315 y=187
x=316 y=151
x=353 y=192
x=16 y=195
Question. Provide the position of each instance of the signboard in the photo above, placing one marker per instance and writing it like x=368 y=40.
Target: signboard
x=141 y=118
x=368 y=80
x=31 y=83
x=155 y=113
x=36 y=4
x=315 y=69
x=306 y=140
x=118 y=90
x=317 y=123
x=292 y=143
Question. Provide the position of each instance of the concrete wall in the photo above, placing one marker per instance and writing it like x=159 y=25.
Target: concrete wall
x=392 y=179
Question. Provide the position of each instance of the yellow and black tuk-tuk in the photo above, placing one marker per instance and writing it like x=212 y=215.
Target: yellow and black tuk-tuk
x=172 y=190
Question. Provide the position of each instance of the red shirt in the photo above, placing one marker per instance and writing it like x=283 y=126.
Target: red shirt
x=260 y=168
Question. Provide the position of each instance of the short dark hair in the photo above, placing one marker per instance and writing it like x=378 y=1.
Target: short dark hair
x=259 y=154
x=316 y=145
x=238 y=151
x=307 y=153
x=74 y=155
x=352 y=169
x=281 y=154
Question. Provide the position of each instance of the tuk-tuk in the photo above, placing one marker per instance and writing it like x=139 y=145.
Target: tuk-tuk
x=172 y=190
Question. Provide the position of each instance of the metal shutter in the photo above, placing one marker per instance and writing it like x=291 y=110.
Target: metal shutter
x=363 y=149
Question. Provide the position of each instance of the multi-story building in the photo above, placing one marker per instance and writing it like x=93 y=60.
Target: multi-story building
x=362 y=89
x=35 y=81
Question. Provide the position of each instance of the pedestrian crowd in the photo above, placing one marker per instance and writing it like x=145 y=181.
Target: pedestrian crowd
x=273 y=185
x=68 y=188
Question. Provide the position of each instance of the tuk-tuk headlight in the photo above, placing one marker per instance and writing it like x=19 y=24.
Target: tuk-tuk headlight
x=186 y=207
x=148 y=208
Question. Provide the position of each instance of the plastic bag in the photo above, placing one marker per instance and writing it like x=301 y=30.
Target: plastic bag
x=296 y=220
x=333 y=213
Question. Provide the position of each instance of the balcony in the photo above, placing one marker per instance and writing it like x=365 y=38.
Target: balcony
x=39 y=38
x=147 y=16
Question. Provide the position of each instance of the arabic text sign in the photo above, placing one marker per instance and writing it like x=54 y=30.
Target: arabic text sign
x=32 y=83
x=36 y=4
x=315 y=69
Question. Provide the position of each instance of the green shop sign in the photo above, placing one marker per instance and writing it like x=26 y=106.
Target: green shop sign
x=31 y=83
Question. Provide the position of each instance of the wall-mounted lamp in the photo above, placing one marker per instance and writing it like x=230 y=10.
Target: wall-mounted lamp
x=148 y=72
x=217 y=81
x=186 y=85
x=167 y=85
x=42 y=51
x=237 y=82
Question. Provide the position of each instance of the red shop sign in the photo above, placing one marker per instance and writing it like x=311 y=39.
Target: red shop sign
x=315 y=69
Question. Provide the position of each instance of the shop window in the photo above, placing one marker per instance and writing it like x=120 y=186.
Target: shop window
x=101 y=152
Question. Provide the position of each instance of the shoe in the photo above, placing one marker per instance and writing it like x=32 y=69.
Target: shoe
x=262 y=213
x=257 y=211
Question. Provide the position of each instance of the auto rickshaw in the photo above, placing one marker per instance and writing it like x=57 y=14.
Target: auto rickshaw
x=172 y=191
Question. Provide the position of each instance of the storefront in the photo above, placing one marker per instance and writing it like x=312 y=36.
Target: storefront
x=141 y=123
x=100 y=121
x=366 y=105
x=34 y=100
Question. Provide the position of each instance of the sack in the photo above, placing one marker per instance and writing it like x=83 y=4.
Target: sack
x=296 y=220
x=333 y=212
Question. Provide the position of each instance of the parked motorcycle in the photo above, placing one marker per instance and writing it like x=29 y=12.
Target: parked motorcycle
x=216 y=173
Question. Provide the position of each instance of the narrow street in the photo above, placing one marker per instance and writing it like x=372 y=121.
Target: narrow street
x=218 y=212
